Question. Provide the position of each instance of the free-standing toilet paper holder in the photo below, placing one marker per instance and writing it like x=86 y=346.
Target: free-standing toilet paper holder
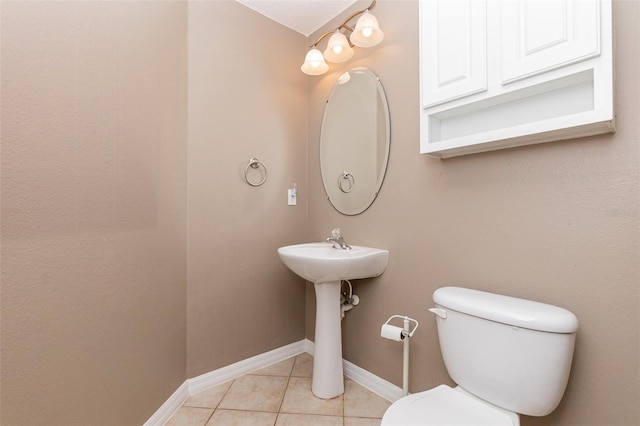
x=392 y=332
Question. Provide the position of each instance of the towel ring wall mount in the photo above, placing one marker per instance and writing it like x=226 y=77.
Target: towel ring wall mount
x=254 y=163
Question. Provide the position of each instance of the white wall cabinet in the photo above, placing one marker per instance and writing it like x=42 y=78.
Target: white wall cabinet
x=503 y=73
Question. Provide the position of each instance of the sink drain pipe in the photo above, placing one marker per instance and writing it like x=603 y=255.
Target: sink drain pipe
x=347 y=299
x=398 y=334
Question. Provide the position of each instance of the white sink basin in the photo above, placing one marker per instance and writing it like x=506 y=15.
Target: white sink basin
x=320 y=262
x=326 y=266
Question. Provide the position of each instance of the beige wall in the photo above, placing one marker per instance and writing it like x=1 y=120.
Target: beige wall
x=101 y=321
x=557 y=222
x=247 y=98
x=94 y=144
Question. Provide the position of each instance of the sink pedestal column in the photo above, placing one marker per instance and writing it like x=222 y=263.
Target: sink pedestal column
x=328 y=380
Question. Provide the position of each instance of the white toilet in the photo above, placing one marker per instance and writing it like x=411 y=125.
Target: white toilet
x=507 y=355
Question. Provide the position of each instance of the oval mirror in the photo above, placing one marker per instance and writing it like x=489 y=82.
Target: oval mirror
x=354 y=141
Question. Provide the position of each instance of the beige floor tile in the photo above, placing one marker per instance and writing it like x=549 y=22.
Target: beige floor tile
x=270 y=397
x=209 y=398
x=308 y=420
x=282 y=368
x=359 y=421
x=303 y=366
x=361 y=402
x=299 y=400
x=255 y=393
x=242 y=418
x=190 y=416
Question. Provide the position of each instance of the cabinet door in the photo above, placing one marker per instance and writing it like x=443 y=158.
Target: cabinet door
x=453 y=49
x=541 y=35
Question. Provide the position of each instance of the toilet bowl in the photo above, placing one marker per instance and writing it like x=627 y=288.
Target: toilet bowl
x=509 y=356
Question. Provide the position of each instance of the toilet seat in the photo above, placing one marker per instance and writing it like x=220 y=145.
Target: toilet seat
x=445 y=406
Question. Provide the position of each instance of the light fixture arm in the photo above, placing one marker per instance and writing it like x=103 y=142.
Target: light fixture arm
x=344 y=24
x=322 y=37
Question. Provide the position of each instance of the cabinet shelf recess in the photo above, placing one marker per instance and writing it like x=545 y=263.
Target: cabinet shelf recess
x=571 y=99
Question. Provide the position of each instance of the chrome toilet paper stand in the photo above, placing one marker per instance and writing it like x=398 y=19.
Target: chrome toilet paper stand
x=407 y=332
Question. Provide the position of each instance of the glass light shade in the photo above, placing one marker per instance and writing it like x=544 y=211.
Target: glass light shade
x=367 y=32
x=338 y=49
x=314 y=63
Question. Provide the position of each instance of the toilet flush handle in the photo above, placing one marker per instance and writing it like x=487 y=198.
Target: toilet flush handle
x=439 y=312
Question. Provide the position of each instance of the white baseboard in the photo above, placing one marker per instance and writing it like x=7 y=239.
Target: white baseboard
x=385 y=389
x=170 y=406
x=233 y=371
x=375 y=384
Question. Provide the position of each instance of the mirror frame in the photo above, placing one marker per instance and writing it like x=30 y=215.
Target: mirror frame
x=340 y=192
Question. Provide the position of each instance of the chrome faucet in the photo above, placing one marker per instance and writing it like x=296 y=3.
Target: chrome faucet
x=337 y=240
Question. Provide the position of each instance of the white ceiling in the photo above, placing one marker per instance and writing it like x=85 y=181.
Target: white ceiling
x=303 y=16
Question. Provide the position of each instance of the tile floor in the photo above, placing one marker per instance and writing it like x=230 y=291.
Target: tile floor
x=280 y=395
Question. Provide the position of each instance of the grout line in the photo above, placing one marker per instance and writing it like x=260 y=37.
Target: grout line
x=295 y=357
x=225 y=394
x=209 y=419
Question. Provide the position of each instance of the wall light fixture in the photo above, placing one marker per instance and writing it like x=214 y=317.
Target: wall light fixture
x=367 y=33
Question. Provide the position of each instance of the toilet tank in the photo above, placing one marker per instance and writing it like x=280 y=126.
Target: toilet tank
x=513 y=353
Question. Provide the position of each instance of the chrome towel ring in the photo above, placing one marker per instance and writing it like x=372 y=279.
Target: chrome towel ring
x=346 y=181
x=254 y=163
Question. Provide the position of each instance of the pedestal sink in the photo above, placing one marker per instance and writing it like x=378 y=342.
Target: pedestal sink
x=325 y=266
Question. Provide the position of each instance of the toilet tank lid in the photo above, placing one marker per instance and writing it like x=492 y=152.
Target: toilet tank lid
x=507 y=310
